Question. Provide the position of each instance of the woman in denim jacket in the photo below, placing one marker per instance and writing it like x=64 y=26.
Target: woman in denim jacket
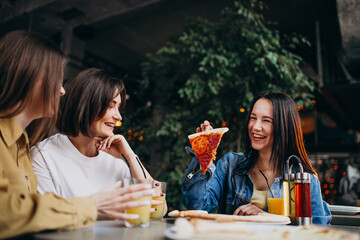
x=237 y=185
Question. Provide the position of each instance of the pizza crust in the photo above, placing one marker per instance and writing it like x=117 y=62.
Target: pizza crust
x=187 y=213
x=174 y=213
x=261 y=217
x=215 y=130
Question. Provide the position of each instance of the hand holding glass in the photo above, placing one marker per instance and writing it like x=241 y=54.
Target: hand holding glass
x=143 y=211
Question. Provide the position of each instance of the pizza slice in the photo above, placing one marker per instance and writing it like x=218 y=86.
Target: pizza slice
x=205 y=145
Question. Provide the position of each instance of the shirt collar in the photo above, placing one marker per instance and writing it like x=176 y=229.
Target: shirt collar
x=11 y=131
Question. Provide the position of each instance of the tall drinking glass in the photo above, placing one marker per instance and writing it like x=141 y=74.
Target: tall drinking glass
x=143 y=212
x=161 y=189
x=275 y=201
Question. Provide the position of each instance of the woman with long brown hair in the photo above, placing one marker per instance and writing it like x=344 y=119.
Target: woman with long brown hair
x=31 y=74
x=239 y=183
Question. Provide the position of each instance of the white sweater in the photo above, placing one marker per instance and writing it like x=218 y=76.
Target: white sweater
x=62 y=169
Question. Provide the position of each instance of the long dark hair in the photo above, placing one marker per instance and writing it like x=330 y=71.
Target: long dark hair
x=26 y=58
x=288 y=136
x=87 y=98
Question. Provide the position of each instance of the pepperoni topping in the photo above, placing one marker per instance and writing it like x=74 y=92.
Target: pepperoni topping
x=199 y=144
x=214 y=140
x=204 y=160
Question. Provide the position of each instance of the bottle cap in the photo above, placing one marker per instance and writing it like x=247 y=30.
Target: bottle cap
x=292 y=177
x=286 y=177
x=302 y=177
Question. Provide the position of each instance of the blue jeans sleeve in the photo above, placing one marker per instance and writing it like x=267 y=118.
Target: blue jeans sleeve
x=319 y=209
x=202 y=192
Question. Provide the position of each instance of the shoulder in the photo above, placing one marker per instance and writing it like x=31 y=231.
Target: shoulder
x=50 y=141
x=314 y=178
x=47 y=147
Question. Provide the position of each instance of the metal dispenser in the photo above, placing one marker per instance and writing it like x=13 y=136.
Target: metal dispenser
x=289 y=193
x=297 y=195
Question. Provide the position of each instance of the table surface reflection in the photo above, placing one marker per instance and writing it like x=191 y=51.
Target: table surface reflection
x=108 y=230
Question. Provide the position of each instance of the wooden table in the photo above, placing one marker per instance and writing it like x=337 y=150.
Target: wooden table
x=109 y=230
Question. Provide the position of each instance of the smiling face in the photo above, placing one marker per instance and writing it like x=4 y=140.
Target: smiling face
x=104 y=127
x=261 y=127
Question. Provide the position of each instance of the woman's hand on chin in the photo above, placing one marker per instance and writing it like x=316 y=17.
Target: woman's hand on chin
x=115 y=145
x=248 y=210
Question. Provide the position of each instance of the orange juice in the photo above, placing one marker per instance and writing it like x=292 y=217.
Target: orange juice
x=158 y=214
x=276 y=206
x=143 y=212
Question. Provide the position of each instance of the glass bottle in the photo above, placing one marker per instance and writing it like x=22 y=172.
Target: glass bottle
x=286 y=195
x=289 y=199
x=303 y=198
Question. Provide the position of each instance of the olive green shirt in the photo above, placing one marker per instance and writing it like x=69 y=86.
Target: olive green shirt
x=22 y=209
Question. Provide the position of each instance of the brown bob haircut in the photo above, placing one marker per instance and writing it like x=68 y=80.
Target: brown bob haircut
x=288 y=136
x=26 y=58
x=87 y=98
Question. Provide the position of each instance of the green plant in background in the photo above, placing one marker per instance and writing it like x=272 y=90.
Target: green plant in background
x=211 y=71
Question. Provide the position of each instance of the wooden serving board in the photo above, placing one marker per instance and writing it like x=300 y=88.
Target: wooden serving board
x=262 y=217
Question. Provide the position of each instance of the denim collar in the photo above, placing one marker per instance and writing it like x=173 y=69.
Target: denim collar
x=241 y=168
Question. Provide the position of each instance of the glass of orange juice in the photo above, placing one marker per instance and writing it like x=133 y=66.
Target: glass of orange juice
x=275 y=201
x=143 y=211
x=161 y=196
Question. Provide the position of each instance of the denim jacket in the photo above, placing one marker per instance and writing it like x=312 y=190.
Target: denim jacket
x=229 y=185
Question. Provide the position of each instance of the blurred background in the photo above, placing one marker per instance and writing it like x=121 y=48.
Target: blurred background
x=191 y=60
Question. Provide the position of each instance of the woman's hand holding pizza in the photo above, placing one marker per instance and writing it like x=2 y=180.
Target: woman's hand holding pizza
x=248 y=210
x=204 y=127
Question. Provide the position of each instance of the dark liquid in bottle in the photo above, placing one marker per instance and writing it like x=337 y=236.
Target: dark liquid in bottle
x=302 y=200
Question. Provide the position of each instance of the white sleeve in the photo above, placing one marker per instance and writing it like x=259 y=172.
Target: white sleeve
x=45 y=180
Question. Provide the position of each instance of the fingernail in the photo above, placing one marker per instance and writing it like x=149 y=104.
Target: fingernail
x=133 y=216
x=161 y=194
x=146 y=202
x=108 y=147
x=157 y=184
x=147 y=186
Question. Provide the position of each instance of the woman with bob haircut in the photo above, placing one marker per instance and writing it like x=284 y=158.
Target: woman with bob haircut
x=86 y=156
x=238 y=183
x=31 y=75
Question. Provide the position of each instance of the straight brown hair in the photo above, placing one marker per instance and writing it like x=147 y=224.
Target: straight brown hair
x=26 y=58
x=288 y=136
x=87 y=98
